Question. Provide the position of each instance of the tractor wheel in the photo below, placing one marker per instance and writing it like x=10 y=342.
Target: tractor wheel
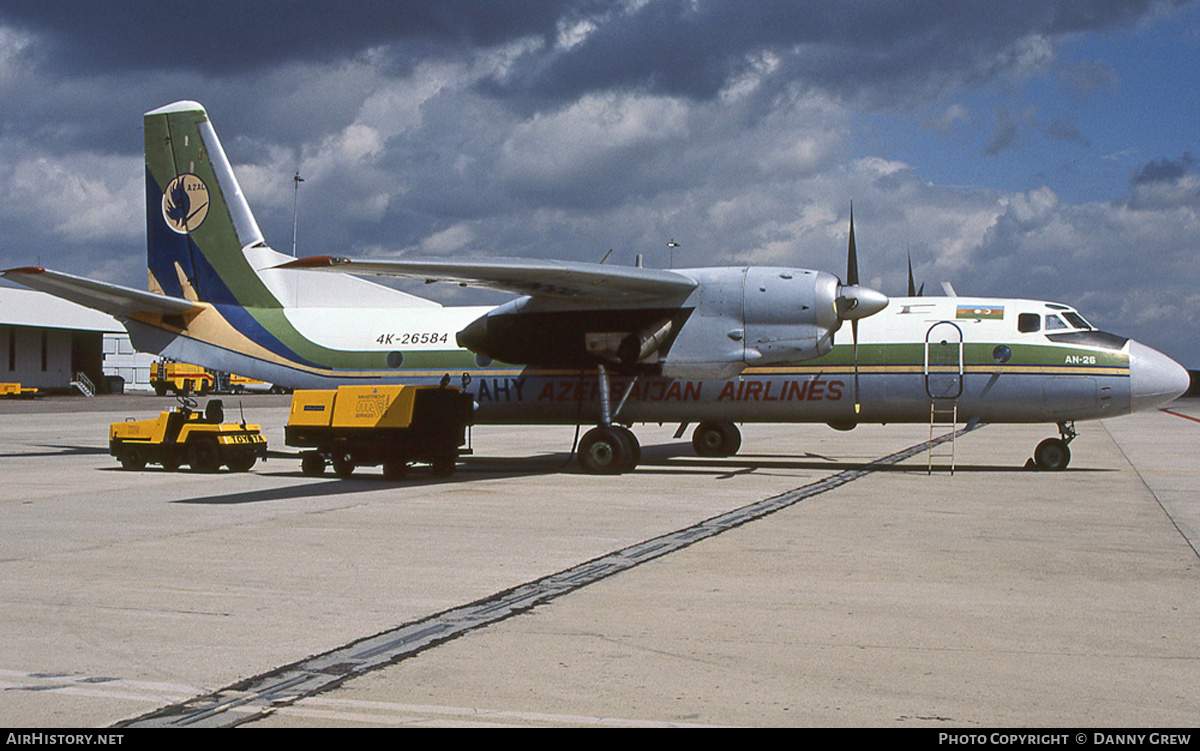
x=242 y=463
x=203 y=455
x=133 y=459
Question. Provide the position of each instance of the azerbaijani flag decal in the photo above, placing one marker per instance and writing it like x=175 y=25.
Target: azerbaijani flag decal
x=987 y=312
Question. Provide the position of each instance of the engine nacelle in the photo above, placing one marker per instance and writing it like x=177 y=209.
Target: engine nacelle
x=754 y=316
x=734 y=317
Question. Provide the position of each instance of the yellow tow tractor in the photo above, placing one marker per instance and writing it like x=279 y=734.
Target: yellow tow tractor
x=202 y=440
x=371 y=425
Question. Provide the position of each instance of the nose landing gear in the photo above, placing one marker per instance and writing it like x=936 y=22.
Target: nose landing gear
x=1053 y=453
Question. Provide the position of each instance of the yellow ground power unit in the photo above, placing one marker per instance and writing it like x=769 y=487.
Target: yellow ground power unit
x=371 y=425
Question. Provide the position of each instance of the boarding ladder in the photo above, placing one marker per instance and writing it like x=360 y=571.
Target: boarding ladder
x=943 y=421
x=943 y=385
x=84 y=384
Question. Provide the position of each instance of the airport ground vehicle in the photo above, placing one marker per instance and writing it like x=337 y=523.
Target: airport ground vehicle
x=394 y=425
x=202 y=440
x=17 y=391
x=181 y=378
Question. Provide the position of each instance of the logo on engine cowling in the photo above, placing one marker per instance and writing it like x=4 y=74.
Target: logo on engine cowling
x=185 y=203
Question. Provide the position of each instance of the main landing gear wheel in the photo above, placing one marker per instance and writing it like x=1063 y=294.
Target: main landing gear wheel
x=716 y=439
x=1052 y=454
x=608 y=450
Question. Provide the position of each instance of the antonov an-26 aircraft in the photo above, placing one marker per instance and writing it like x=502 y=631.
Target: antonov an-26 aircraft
x=594 y=344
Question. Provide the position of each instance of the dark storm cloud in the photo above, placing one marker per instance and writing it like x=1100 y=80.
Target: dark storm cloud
x=225 y=37
x=253 y=60
x=886 y=53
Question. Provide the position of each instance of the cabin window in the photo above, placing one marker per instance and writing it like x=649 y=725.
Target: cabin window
x=1053 y=322
x=1001 y=354
x=1076 y=320
x=1028 y=323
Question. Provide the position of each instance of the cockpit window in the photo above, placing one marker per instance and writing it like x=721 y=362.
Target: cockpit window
x=1028 y=323
x=1076 y=320
x=1054 y=322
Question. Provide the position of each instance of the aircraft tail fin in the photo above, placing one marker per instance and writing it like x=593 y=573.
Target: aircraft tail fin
x=198 y=223
x=203 y=243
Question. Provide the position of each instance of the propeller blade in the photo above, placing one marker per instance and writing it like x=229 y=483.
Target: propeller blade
x=854 y=333
x=854 y=298
x=855 y=301
x=912 y=288
x=852 y=254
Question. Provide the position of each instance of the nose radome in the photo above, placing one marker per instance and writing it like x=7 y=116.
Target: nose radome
x=1154 y=378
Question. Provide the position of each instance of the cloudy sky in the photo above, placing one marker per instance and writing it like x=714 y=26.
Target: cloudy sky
x=1035 y=149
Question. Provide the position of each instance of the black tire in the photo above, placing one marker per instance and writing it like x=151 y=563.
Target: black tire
x=635 y=448
x=160 y=389
x=242 y=463
x=604 y=451
x=343 y=465
x=171 y=462
x=203 y=455
x=1052 y=454
x=716 y=439
x=444 y=464
x=395 y=469
x=312 y=464
x=133 y=459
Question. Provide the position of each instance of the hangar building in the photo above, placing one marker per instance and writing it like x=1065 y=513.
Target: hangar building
x=47 y=342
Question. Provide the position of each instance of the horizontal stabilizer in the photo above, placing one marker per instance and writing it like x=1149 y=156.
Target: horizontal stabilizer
x=113 y=299
x=539 y=278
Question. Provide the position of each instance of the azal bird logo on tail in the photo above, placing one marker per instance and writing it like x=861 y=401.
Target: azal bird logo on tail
x=177 y=203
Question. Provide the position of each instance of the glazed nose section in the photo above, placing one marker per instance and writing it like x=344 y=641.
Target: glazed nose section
x=1154 y=378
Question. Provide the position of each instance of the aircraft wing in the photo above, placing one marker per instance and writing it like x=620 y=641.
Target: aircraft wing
x=524 y=276
x=113 y=299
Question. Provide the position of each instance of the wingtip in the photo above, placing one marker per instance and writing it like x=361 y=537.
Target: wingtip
x=24 y=270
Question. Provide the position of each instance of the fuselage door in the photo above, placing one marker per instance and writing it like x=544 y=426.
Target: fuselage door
x=944 y=361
